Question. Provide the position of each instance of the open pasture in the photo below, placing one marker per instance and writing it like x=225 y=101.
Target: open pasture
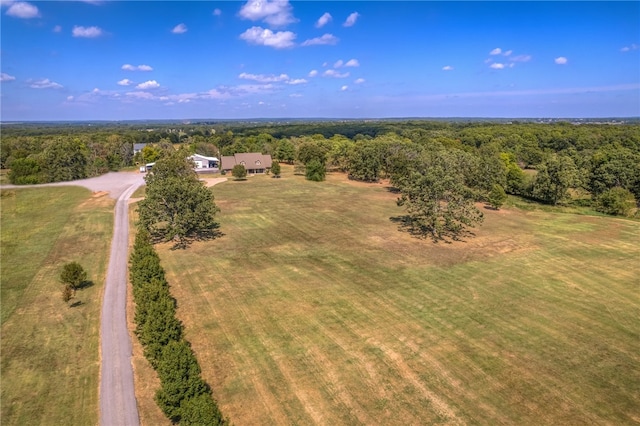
x=50 y=353
x=314 y=309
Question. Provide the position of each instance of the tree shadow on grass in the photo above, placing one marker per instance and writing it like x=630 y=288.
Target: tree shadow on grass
x=76 y=304
x=85 y=284
x=185 y=242
x=407 y=224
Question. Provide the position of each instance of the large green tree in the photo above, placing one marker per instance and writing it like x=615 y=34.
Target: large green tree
x=556 y=175
x=177 y=206
x=437 y=201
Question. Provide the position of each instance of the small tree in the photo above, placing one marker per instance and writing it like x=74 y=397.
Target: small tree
x=239 y=172
x=497 y=196
x=315 y=171
x=616 y=201
x=275 y=169
x=67 y=293
x=73 y=275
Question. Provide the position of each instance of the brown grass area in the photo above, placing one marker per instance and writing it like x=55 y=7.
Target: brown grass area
x=314 y=309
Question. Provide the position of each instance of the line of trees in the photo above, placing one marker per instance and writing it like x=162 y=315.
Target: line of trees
x=184 y=397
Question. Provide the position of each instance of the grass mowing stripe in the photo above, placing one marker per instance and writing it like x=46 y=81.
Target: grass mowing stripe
x=314 y=298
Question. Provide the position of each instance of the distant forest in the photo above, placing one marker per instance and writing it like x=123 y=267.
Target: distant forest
x=553 y=162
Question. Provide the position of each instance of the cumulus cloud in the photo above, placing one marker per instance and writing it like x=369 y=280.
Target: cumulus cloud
x=497 y=66
x=508 y=53
x=335 y=74
x=265 y=37
x=45 y=83
x=338 y=63
x=276 y=13
x=22 y=10
x=344 y=88
x=323 y=20
x=521 y=58
x=561 y=60
x=325 y=39
x=125 y=82
x=352 y=63
x=295 y=95
x=351 y=19
x=86 y=32
x=57 y=29
x=295 y=81
x=179 y=29
x=143 y=67
x=217 y=12
x=261 y=78
x=629 y=48
x=496 y=51
x=359 y=81
x=151 y=84
x=6 y=77
x=140 y=95
x=447 y=68
x=313 y=73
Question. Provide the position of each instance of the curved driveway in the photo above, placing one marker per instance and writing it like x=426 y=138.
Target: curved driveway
x=117 y=397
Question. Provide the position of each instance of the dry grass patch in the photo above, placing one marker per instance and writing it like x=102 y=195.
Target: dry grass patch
x=314 y=309
x=50 y=354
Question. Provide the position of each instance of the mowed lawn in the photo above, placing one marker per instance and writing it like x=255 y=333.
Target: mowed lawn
x=50 y=353
x=313 y=308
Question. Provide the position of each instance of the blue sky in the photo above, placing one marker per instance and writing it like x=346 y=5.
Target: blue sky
x=124 y=60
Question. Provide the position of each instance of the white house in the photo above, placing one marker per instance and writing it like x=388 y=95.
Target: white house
x=204 y=162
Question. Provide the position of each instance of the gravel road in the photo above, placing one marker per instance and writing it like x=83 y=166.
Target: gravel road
x=117 y=397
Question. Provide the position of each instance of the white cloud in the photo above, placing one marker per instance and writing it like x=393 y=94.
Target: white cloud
x=45 y=83
x=335 y=74
x=125 y=82
x=325 y=39
x=57 y=29
x=6 y=77
x=359 y=81
x=129 y=67
x=344 y=88
x=276 y=13
x=69 y=98
x=151 y=84
x=140 y=95
x=447 y=68
x=352 y=63
x=217 y=12
x=497 y=66
x=261 y=78
x=324 y=20
x=338 y=63
x=179 y=29
x=22 y=10
x=496 y=51
x=351 y=19
x=313 y=73
x=561 y=60
x=508 y=53
x=633 y=46
x=87 y=32
x=295 y=81
x=295 y=95
x=265 y=37
x=521 y=58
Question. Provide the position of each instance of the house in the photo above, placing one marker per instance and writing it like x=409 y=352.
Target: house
x=204 y=162
x=137 y=147
x=254 y=162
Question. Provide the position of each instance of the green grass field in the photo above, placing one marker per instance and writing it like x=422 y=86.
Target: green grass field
x=50 y=353
x=314 y=309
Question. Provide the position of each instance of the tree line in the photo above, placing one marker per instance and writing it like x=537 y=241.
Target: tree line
x=184 y=397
